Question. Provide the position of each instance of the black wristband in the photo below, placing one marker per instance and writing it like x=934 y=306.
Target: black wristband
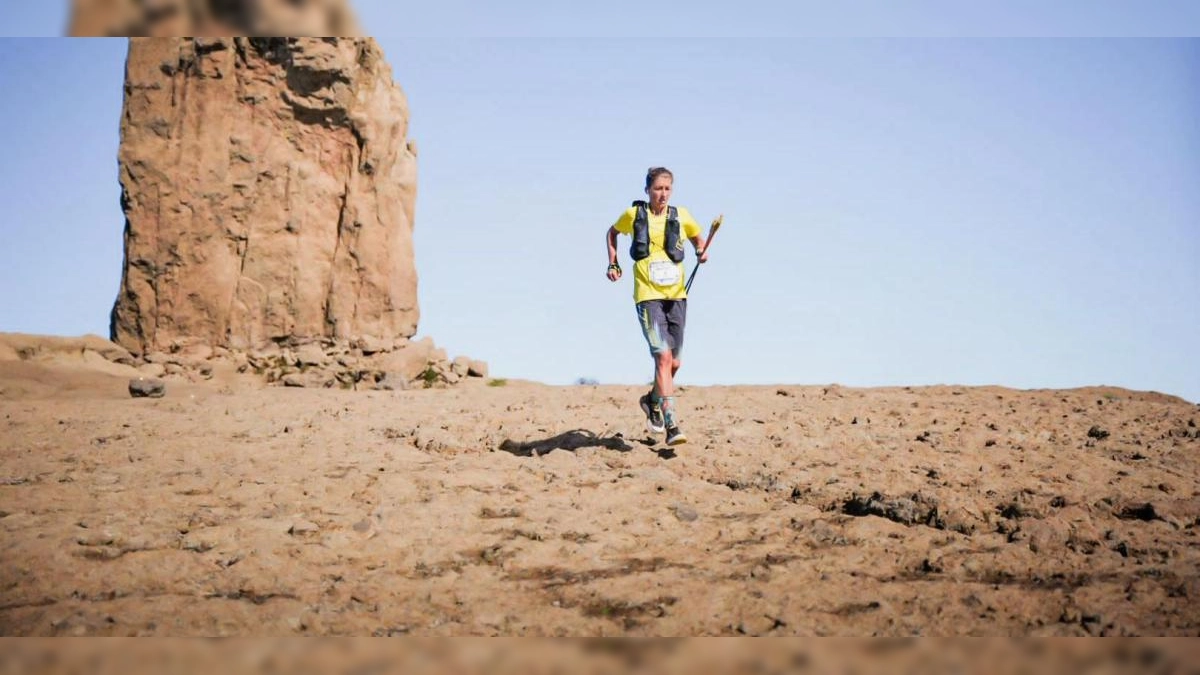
x=614 y=266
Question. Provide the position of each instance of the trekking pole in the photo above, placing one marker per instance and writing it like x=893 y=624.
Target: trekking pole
x=712 y=232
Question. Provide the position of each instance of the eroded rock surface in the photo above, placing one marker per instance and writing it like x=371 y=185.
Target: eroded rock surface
x=268 y=186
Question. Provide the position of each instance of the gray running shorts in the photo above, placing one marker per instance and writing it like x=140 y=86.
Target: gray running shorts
x=662 y=324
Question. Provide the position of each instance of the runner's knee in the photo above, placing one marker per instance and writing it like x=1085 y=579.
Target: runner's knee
x=664 y=359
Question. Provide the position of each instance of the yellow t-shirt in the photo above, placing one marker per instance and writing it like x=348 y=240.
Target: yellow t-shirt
x=657 y=277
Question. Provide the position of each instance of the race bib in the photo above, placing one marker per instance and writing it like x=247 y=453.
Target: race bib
x=664 y=273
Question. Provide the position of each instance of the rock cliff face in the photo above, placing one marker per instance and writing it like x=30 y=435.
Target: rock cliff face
x=268 y=187
x=107 y=18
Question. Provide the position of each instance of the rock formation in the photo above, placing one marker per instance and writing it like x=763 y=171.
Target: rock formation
x=359 y=365
x=268 y=188
x=89 y=351
x=158 y=18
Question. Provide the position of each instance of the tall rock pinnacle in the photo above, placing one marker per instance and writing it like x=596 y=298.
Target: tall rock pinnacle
x=268 y=188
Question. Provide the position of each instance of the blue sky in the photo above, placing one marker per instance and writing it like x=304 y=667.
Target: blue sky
x=1021 y=212
x=747 y=18
x=769 y=18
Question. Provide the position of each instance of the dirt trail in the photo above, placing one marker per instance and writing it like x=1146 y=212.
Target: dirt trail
x=227 y=509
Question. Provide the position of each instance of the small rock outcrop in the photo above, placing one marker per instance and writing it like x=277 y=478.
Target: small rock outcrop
x=90 y=352
x=332 y=364
x=268 y=187
x=419 y=364
x=323 y=364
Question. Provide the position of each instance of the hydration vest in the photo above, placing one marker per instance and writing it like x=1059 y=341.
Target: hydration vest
x=672 y=242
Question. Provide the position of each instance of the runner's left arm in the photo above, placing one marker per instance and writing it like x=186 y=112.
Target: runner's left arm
x=689 y=226
x=701 y=252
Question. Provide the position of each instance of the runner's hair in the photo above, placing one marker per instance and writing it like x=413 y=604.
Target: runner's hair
x=656 y=171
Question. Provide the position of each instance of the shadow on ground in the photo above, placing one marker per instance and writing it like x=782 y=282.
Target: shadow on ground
x=571 y=440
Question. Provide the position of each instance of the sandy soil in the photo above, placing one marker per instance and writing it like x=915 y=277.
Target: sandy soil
x=226 y=508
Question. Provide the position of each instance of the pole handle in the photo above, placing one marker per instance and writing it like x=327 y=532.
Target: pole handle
x=712 y=232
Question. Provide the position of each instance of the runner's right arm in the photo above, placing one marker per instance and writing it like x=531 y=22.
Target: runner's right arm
x=614 y=269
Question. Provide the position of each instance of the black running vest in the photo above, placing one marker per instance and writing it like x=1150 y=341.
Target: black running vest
x=672 y=242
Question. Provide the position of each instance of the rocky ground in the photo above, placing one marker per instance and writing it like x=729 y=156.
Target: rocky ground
x=498 y=507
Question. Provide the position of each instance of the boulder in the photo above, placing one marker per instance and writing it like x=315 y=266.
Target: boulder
x=294 y=380
x=369 y=344
x=389 y=382
x=409 y=363
x=311 y=355
x=108 y=350
x=147 y=388
x=477 y=369
x=94 y=361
